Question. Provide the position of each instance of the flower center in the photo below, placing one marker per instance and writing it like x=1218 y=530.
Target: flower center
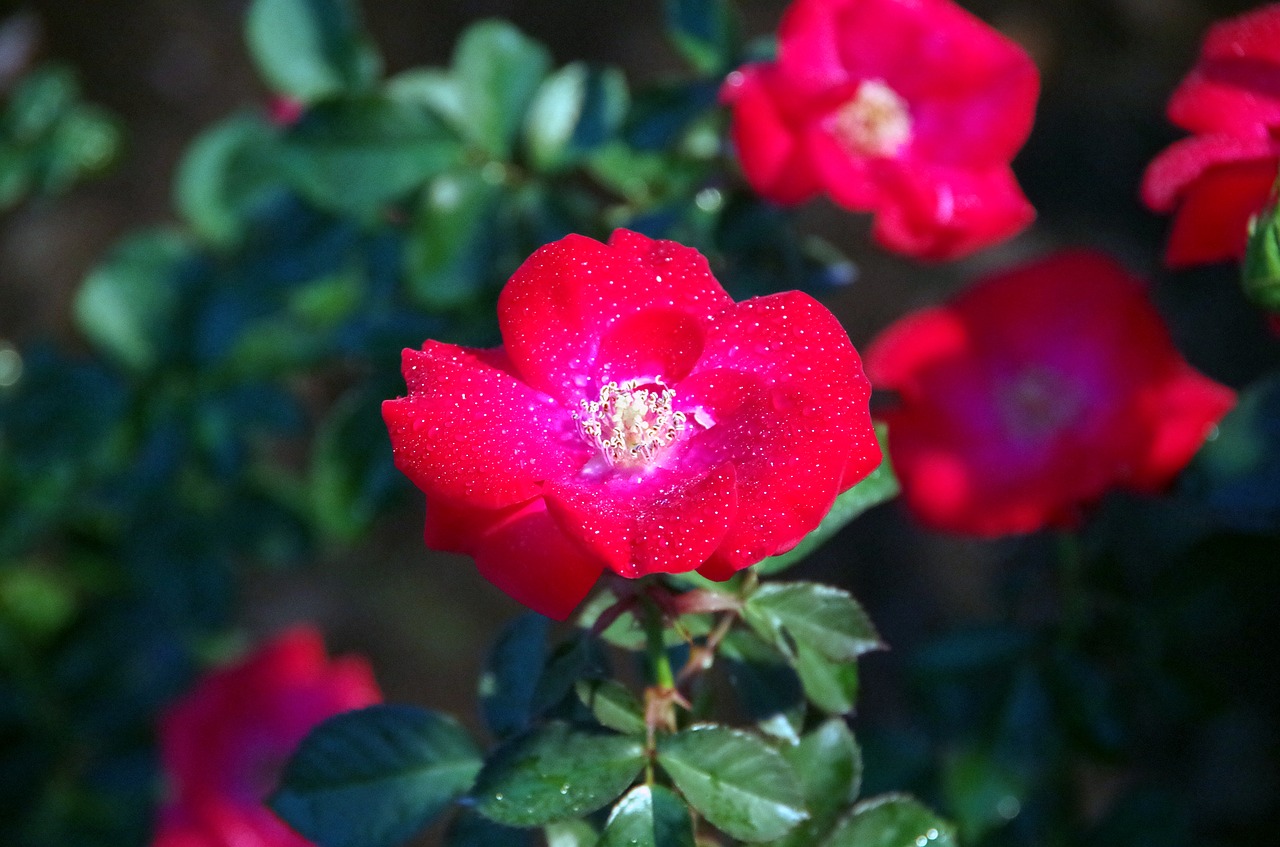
x=875 y=122
x=631 y=422
x=1038 y=404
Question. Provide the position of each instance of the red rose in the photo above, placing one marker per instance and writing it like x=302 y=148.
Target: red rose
x=1220 y=177
x=911 y=109
x=636 y=418
x=225 y=743
x=1034 y=392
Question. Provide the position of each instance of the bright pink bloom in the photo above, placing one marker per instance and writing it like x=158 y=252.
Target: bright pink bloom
x=636 y=418
x=911 y=109
x=1217 y=179
x=1034 y=392
x=225 y=743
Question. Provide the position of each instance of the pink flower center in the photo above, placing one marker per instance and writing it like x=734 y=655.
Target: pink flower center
x=875 y=122
x=632 y=422
x=1038 y=404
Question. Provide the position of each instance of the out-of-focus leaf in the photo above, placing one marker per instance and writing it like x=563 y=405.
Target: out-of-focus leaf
x=556 y=772
x=128 y=305
x=352 y=474
x=224 y=177
x=311 y=49
x=1237 y=471
x=511 y=674
x=879 y=486
x=497 y=70
x=706 y=32
x=891 y=820
x=741 y=785
x=355 y=155
x=648 y=816
x=470 y=829
x=829 y=764
x=981 y=791
x=375 y=776
x=576 y=110
x=826 y=618
x=450 y=247
x=576 y=659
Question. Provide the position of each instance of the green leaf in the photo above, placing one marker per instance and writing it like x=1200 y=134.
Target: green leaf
x=982 y=792
x=881 y=485
x=829 y=764
x=355 y=155
x=511 y=674
x=578 y=658
x=892 y=820
x=127 y=305
x=649 y=816
x=497 y=70
x=831 y=686
x=375 y=776
x=613 y=705
x=470 y=829
x=226 y=173
x=351 y=476
x=576 y=110
x=706 y=32
x=556 y=772
x=826 y=618
x=570 y=833
x=311 y=49
x=741 y=785
x=761 y=676
x=450 y=246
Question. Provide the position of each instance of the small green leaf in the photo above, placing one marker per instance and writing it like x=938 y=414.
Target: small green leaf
x=311 y=49
x=741 y=785
x=761 y=676
x=826 y=618
x=128 y=305
x=556 y=772
x=649 y=816
x=831 y=686
x=511 y=674
x=355 y=155
x=881 y=485
x=829 y=764
x=375 y=776
x=578 y=658
x=226 y=173
x=576 y=110
x=352 y=476
x=613 y=705
x=450 y=246
x=891 y=820
x=497 y=69
x=706 y=32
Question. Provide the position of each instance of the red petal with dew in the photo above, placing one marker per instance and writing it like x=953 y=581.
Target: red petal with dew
x=562 y=301
x=470 y=431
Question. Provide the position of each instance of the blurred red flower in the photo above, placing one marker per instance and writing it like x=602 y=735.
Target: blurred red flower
x=1031 y=394
x=636 y=418
x=225 y=743
x=911 y=109
x=1217 y=179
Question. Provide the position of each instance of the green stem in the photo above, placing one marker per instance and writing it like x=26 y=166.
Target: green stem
x=659 y=661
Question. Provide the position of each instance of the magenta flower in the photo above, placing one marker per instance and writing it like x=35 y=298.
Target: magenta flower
x=1034 y=392
x=224 y=745
x=636 y=418
x=1214 y=181
x=911 y=109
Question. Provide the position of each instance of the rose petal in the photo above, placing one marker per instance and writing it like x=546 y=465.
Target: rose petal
x=529 y=558
x=564 y=298
x=1235 y=84
x=769 y=142
x=1212 y=221
x=469 y=431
